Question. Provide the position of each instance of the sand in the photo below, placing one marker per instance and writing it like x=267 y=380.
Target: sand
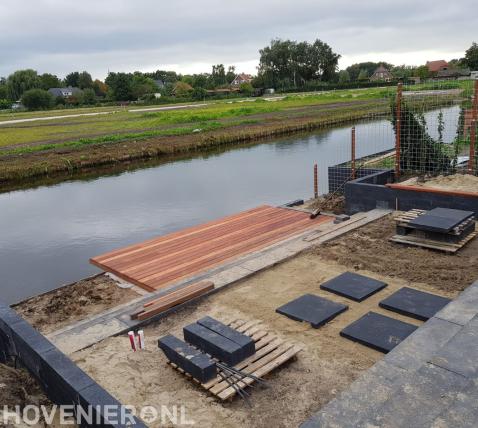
x=56 y=309
x=368 y=247
x=326 y=366
x=457 y=182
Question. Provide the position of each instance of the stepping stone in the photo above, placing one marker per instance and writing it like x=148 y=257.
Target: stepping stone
x=414 y=303
x=311 y=308
x=440 y=219
x=378 y=331
x=353 y=286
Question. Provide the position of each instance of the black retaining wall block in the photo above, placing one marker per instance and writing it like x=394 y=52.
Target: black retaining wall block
x=368 y=192
x=244 y=341
x=192 y=361
x=214 y=344
x=62 y=380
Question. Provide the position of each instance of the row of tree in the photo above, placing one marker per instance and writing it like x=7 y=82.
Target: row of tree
x=284 y=64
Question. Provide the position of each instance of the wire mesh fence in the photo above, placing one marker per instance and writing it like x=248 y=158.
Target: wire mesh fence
x=417 y=130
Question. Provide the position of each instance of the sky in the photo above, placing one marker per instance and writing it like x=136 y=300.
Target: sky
x=188 y=36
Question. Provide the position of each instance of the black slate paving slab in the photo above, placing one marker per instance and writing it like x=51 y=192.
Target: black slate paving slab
x=311 y=308
x=414 y=303
x=353 y=286
x=378 y=331
x=245 y=342
x=191 y=360
x=214 y=344
x=440 y=219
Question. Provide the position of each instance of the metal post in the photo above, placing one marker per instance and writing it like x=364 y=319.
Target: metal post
x=316 y=183
x=353 y=154
x=398 y=126
x=471 y=160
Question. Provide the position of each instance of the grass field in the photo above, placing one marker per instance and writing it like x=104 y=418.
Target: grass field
x=63 y=145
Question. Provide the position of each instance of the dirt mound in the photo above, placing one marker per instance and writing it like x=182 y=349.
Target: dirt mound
x=457 y=182
x=64 y=306
x=331 y=203
x=369 y=248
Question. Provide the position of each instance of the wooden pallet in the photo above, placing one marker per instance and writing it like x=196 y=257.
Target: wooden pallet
x=271 y=352
x=434 y=245
x=404 y=219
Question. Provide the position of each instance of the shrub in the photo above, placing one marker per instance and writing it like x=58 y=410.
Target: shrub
x=37 y=99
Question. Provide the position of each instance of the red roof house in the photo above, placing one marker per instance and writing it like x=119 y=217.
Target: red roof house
x=436 y=66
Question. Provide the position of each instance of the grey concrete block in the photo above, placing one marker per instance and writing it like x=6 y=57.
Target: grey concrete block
x=460 y=354
x=192 y=361
x=418 y=402
x=417 y=348
x=463 y=308
x=214 y=344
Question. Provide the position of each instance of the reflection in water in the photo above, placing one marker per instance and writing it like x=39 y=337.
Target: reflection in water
x=49 y=233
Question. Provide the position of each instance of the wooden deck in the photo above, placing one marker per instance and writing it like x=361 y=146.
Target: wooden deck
x=159 y=262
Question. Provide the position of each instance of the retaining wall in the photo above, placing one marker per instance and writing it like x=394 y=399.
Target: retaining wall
x=61 y=379
x=369 y=192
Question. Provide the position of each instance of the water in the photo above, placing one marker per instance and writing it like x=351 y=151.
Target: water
x=49 y=233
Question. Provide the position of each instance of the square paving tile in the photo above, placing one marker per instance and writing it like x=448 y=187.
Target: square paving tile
x=353 y=286
x=440 y=219
x=378 y=331
x=311 y=308
x=414 y=303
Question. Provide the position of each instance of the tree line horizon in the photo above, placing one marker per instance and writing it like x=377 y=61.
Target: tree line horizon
x=284 y=65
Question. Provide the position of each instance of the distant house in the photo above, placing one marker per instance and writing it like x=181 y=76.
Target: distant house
x=241 y=78
x=381 y=73
x=452 y=73
x=436 y=66
x=64 y=92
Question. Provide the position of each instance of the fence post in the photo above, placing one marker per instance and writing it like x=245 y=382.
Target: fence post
x=398 y=127
x=353 y=154
x=471 y=160
x=316 y=183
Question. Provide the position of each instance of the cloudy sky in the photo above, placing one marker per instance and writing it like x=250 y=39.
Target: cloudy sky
x=59 y=36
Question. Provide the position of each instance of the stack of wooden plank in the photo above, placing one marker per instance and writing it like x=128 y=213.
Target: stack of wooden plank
x=439 y=229
x=167 y=301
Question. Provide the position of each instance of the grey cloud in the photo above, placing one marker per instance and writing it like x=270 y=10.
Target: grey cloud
x=63 y=35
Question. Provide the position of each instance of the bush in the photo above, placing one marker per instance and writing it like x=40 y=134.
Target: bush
x=37 y=99
x=89 y=96
x=246 y=89
x=4 y=104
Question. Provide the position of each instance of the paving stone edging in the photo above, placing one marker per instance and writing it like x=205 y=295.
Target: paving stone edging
x=429 y=380
x=61 y=379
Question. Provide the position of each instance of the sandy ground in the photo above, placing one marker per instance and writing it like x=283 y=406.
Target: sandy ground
x=458 y=182
x=54 y=310
x=327 y=364
x=368 y=247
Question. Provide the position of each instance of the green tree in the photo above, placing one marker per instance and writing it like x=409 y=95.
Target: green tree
x=290 y=63
x=199 y=93
x=100 y=88
x=231 y=74
x=422 y=72
x=363 y=75
x=344 y=76
x=182 y=89
x=48 y=81
x=120 y=85
x=21 y=81
x=3 y=88
x=37 y=99
x=471 y=56
x=72 y=79
x=369 y=66
x=246 y=89
x=218 y=75
x=84 y=80
x=88 y=97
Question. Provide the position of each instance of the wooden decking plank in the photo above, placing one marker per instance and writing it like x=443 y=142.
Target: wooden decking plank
x=181 y=233
x=213 y=258
x=156 y=263
x=203 y=245
x=162 y=247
